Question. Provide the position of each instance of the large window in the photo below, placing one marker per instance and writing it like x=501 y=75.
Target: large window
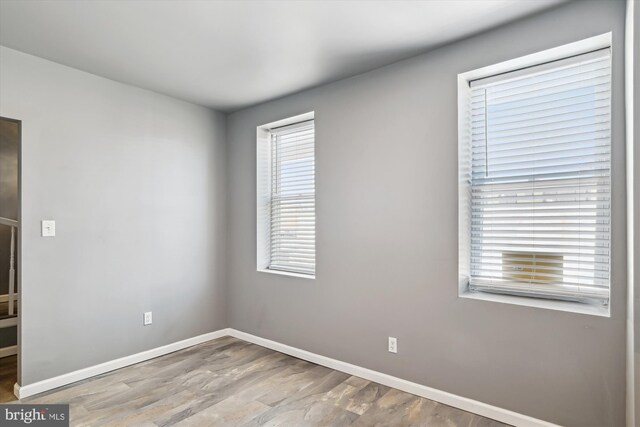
x=536 y=180
x=286 y=198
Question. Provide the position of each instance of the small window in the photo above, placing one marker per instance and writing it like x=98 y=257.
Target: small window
x=286 y=197
x=535 y=164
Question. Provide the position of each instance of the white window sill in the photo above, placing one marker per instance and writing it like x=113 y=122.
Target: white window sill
x=569 y=306
x=286 y=273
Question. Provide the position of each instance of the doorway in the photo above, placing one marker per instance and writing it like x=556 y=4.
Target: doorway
x=10 y=140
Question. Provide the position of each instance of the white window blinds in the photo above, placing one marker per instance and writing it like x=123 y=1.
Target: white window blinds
x=540 y=180
x=292 y=201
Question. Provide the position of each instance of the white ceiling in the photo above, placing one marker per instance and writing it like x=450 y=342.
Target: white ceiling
x=232 y=54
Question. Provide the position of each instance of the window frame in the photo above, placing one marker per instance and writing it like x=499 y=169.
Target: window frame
x=464 y=188
x=263 y=195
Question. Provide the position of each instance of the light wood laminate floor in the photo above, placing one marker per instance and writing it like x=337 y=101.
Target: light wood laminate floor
x=229 y=382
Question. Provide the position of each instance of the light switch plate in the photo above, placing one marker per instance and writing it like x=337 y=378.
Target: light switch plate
x=148 y=318
x=48 y=228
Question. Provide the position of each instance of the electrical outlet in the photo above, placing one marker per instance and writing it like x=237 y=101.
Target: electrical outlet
x=148 y=319
x=393 y=345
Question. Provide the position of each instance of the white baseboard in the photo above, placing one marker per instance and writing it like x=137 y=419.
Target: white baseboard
x=49 y=384
x=8 y=351
x=450 y=399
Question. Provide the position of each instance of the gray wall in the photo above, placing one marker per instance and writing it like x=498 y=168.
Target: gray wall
x=386 y=153
x=636 y=185
x=136 y=183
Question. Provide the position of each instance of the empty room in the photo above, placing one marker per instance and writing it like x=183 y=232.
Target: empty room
x=311 y=213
